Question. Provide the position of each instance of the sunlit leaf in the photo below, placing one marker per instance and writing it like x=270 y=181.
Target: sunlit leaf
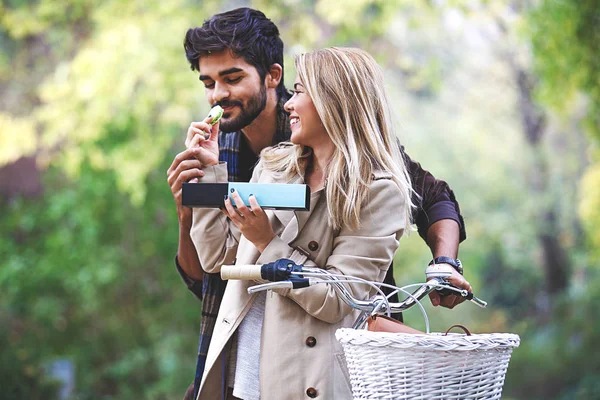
x=18 y=138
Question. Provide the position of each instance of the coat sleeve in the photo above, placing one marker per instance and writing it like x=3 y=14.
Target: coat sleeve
x=215 y=237
x=434 y=199
x=365 y=253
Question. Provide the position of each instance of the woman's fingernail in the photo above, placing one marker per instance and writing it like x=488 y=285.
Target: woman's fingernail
x=250 y=195
x=232 y=190
x=226 y=197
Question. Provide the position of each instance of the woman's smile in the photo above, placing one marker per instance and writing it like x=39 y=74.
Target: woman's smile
x=294 y=121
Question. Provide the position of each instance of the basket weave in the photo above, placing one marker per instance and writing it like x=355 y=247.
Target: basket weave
x=408 y=366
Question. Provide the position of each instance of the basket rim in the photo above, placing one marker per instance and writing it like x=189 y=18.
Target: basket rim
x=436 y=339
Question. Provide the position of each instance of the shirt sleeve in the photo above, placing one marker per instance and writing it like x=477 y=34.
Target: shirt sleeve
x=434 y=199
x=193 y=285
x=215 y=237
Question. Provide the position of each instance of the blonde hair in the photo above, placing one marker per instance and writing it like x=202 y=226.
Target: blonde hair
x=347 y=88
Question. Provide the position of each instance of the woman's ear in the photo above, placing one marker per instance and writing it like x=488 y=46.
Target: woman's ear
x=274 y=76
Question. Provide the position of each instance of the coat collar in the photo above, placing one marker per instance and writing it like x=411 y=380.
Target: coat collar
x=381 y=174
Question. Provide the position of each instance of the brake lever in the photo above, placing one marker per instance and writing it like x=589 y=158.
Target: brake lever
x=440 y=277
x=461 y=292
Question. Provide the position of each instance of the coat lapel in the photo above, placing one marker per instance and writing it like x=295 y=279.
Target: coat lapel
x=286 y=216
x=292 y=230
x=303 y=216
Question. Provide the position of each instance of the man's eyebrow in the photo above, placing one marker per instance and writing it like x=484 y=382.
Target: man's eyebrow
x=232 y=70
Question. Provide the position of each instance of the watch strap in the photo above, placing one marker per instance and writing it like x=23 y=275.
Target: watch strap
x=454 y=262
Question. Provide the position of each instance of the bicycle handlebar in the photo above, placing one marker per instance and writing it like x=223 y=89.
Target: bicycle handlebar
x=285 y=274
x=281 y=271
x=245 y=272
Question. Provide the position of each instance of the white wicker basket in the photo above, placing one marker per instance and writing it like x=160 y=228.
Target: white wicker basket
x=433 y=366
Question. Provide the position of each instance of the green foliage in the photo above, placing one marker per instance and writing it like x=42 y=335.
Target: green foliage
x=93 y=278
x=18 y=138
x=589 y=207
x=101 y=93
x=28 y=18
x=21 y=375
x=565 y=37
x=557 y=361
x=123 y=61
x=321 y=23
x=127 y=64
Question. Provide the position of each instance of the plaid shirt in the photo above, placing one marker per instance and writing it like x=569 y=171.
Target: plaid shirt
x=234 y=150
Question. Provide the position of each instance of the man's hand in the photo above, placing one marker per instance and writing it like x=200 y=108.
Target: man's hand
x=205 y=137
x=449 y=301
x=184 y=168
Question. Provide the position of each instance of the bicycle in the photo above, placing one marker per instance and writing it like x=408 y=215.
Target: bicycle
x=384 y=365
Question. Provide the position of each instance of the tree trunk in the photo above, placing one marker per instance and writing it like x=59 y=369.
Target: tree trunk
x=554 y=257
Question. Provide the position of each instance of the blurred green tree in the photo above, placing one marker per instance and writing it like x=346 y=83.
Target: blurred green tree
x=564 y=37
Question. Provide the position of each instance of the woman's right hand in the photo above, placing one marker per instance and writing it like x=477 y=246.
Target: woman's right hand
x=209 y=146
x=252 y=222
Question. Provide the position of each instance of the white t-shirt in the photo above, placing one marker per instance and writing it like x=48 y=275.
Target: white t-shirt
x=246 y=383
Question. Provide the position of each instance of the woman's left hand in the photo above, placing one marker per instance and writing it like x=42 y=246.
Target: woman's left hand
x=252 y=222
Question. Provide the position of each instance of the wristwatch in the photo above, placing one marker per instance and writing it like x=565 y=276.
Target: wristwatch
x=455 y=262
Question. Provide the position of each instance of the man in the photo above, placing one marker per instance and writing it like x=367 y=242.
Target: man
x=239 y=55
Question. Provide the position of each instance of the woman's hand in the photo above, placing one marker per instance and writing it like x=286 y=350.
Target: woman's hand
x=252 y=222
x=204 y=136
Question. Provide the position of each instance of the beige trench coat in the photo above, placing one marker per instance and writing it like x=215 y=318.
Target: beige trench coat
x=299 y=352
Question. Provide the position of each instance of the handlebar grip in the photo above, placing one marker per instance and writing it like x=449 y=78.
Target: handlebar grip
x=241 y=272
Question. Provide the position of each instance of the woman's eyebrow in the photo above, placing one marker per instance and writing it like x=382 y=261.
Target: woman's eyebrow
x=297 y=85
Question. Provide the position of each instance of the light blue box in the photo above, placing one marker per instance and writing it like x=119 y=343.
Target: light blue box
x=279 y=196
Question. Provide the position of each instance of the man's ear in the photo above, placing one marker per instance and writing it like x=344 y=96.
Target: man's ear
x=274 y=76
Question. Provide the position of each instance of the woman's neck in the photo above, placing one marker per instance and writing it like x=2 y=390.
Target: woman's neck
x=316 y=173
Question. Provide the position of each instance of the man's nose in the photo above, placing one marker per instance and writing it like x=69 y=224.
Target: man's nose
x=219 y=93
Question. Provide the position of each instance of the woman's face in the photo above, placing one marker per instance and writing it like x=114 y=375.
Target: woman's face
x=305 y=124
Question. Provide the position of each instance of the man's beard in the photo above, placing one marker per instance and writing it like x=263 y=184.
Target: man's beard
x=255 y=106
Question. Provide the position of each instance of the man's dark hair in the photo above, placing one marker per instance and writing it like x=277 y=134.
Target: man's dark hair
x=246 y=33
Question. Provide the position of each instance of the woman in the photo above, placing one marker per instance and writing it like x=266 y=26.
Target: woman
x=282 y=345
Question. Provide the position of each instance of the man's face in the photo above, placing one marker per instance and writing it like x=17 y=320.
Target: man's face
x=236 y=86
